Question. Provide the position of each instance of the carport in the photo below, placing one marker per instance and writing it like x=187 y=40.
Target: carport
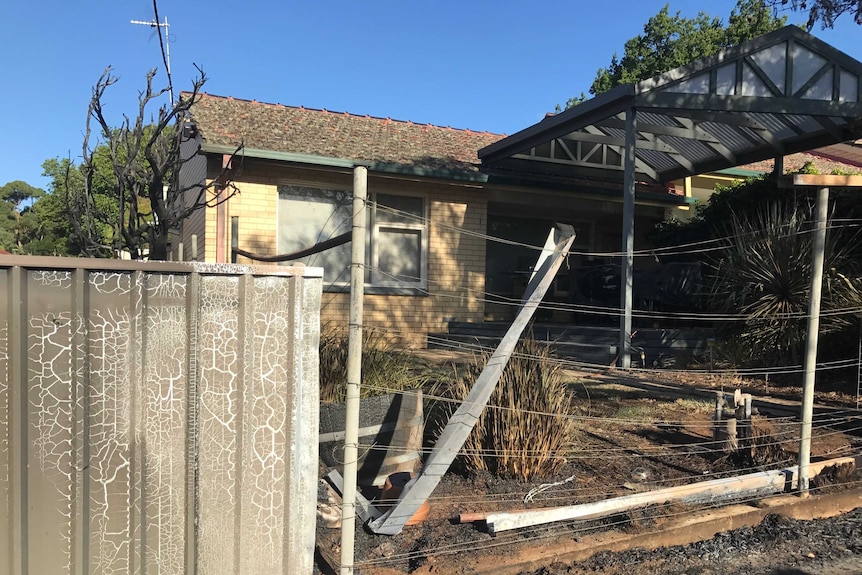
x=778 y=94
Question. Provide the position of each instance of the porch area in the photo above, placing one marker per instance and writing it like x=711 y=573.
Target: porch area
x=588 y=346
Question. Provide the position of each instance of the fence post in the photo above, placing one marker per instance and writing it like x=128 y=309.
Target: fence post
x=717 y=417
x=354 y=369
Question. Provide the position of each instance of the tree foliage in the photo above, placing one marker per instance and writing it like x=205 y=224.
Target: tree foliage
x=669 y=41
x=127 y=195
x=764 y=272
x=17 y=217
x=756 y=243
x=824 y=11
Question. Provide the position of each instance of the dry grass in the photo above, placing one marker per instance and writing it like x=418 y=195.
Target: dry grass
x=525 y=429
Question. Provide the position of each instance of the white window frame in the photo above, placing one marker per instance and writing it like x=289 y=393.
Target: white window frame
x=375 y=281
x=378 y=279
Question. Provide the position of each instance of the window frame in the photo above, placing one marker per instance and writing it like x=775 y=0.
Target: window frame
x=377 y=279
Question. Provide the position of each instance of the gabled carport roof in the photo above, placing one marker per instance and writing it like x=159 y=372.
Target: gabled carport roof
x=778 y=94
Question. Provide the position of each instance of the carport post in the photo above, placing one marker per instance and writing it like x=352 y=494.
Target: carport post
x=628 y=244
x=810 y=366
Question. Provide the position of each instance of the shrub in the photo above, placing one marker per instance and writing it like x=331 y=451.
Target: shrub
x=386 y=367
x=526 y=428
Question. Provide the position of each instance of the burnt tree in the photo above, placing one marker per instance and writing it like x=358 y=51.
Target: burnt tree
x=131 y=198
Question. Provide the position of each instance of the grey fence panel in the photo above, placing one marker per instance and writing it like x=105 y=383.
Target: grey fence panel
x=157 y=418
x=5 y=447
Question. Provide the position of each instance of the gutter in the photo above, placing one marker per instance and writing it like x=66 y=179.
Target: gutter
x=348 y=163
x=283 y=156
x=644 y=196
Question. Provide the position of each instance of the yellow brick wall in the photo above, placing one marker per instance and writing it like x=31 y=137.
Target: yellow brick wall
x=456 y=261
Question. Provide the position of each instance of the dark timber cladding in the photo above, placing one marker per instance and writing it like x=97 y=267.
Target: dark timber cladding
x=781 y=93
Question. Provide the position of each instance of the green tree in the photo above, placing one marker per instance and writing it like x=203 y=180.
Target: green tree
x=823 y=11
x=669 y=41
x=50 y=228
x=16 y=196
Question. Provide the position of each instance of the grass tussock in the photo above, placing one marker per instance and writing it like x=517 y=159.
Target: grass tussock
x=526 y=429
x=386 y=366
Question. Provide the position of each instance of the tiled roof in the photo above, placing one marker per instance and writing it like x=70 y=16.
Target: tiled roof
x=279 y=128
x=822 y=162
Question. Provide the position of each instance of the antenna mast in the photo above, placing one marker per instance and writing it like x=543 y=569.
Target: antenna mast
x=166 y=46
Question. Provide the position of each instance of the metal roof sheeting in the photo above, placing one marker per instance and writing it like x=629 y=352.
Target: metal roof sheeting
x=778 y=94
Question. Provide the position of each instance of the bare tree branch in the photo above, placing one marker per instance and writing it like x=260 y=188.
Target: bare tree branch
x=144 y=202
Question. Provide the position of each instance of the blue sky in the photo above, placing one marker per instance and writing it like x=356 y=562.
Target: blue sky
x=493 y=65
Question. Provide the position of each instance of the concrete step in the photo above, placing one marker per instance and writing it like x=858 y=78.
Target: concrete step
x=588 y=344
x=595 y=353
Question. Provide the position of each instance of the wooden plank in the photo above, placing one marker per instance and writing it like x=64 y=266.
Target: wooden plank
x=818 y=180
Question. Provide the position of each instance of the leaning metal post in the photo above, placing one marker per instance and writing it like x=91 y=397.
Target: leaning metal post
x=417 y=491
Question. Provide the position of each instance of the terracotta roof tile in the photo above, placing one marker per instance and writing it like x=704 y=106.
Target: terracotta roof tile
x=279 y=128
x=792 y=163
x=296 y=129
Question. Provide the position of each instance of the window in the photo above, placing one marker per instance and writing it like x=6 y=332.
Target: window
x=398 y=241
x=396 y=246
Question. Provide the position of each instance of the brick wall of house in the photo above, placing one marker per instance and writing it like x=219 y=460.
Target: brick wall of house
x=456 y=261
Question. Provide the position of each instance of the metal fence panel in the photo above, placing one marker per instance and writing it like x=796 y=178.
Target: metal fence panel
x=157 y=418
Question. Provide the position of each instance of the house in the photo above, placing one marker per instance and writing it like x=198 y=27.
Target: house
x=431 y=211
x=454 y=215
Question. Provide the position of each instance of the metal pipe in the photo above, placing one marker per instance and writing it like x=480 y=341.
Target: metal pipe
x=234 y=238
x=461 y=423
x=354 y=370
x=810 y=365
x=859 y=366
x=628 y=246
x=221 y=214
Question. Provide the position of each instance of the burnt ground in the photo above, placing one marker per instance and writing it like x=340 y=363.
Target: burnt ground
x=632 y=440
x=778 y=546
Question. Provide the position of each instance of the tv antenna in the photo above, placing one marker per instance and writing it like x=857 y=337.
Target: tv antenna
x=164 y=44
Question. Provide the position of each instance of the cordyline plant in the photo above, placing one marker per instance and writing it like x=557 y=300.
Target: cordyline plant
x=764 y=274
x=526 y=429
x=132 y=197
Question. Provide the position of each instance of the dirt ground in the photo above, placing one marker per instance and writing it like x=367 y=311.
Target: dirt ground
x=629 y=440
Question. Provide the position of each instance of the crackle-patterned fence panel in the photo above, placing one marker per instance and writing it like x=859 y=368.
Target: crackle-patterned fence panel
x=157 y=418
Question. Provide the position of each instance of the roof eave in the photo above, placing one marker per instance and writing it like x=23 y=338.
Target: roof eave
x=349 y=163
x=610 y=102
x=283 y=156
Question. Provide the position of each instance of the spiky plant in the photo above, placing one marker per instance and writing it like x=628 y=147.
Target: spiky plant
x=764 y=273
x=386 y=367
x=525 y=429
